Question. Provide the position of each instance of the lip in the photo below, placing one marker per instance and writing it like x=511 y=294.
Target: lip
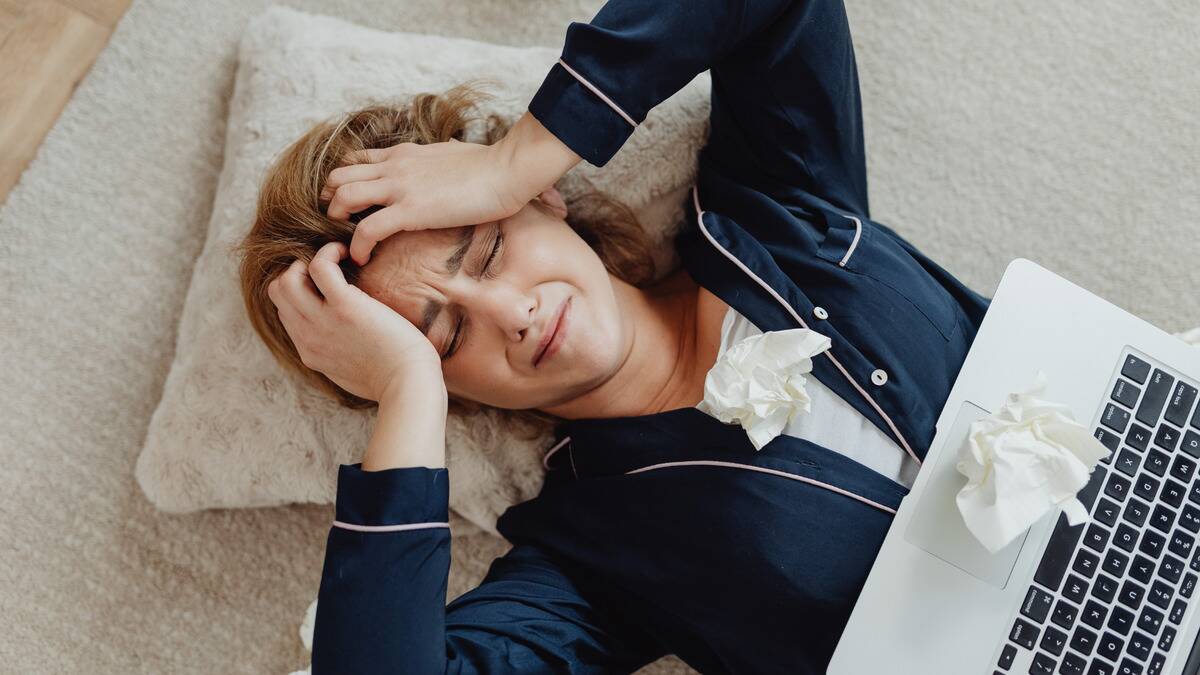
x=553 y=336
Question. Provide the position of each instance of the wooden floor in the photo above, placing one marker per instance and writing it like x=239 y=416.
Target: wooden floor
x=46 y=47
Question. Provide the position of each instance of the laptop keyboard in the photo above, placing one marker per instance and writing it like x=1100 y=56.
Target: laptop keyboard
x=1110 y=595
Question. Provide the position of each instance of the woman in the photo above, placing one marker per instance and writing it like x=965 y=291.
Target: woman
x=659 y=529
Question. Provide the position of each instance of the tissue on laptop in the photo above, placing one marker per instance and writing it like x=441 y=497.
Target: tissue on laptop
x=1022 y=461
x=759 y=381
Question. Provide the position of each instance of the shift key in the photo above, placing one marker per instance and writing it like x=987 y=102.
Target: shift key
x=1156 y=395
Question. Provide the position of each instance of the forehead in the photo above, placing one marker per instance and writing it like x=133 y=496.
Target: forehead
x=403 y=267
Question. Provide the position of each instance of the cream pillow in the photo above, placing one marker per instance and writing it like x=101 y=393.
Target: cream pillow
x=233 y=429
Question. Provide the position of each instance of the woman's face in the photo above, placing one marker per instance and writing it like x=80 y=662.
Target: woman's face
x=491 y=307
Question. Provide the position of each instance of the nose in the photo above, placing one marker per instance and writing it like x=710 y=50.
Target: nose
x=506 y=306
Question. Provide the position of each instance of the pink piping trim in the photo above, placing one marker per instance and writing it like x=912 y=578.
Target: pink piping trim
x=827 y=352
x=551 y=451
x=387 y=528
x=774 y=472
x=854 y=243
x=599 y=93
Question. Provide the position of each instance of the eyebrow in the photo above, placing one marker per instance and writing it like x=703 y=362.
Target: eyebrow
x=433 y=308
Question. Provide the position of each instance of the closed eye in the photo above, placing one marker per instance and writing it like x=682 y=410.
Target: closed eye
x=457 y=338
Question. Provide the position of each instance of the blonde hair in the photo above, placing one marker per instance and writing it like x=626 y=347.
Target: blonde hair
x=290 y=223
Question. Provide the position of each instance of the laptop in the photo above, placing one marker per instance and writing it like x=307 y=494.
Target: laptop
x=1117 y=594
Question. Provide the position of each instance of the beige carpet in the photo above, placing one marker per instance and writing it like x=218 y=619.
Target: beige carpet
x=1065 y=132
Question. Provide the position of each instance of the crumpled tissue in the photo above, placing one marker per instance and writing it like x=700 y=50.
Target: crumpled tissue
x=1020 y=462
x=759 y=381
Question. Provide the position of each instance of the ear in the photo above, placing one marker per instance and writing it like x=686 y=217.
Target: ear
x=552 y=198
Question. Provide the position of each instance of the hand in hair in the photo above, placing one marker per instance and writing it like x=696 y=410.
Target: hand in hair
x=361 y=344
x=441 y=185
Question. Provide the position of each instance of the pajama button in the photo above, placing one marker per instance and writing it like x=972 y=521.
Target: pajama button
x=879 y=377
x=820 y=313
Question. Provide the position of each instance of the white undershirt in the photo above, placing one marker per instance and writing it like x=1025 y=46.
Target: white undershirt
x=832 y=422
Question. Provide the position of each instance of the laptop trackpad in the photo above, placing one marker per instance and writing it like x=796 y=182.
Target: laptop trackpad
x=937 y=526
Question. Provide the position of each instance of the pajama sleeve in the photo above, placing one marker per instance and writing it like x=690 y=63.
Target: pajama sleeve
x=381 y=607
x=786 y=110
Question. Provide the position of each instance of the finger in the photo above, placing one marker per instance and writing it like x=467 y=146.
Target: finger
x=354 y=197
x=375 y=228
x=326 y=273
x=349 y=174
x=299 y=290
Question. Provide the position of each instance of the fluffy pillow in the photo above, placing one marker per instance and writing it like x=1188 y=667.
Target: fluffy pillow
x=233 y=429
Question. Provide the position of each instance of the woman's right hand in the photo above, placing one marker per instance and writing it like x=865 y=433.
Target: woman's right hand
x=361 y=344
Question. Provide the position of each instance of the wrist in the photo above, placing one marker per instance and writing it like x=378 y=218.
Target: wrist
x=534 y=157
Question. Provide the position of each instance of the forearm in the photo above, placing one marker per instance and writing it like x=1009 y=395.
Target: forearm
x=411 y=425
x=536 y=157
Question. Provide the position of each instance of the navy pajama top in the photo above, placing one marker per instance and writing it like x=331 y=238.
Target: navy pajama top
x=668 y=533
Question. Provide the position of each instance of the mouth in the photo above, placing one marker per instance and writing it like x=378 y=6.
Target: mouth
x=553 y=336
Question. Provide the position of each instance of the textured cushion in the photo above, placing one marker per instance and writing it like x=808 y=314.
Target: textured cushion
x=233 y=429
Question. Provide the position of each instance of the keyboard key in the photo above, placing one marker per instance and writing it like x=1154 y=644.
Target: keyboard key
x=1095 y=538
x=1138 y=437
x=1177 y=611
x=1108 y=510
x=1155 y=397
x=1150 y=620
x=1181 y=543
x=1191 y=442
x=1173 y=493
x=1007 y=655
x=1160 y=594
x=1086 y=563
x=1053 y=640
x=1196 y=418
x=1107 y=438
x=1100 y=668
x=1105 y=588
x=1179 y=405
x=1126 y=393
x=1162 y=519
x=1065 y=613
x=1152 y=543
x=1129 y=667
x=1167 y=437
x=1135 y=369
x=1083 y=640
x=1115 y=417
x=1043 y=664
x=1189 y=519
x=1142 y=569
x=1072 y=664
x=1182 y=469
x=1024 y=634
x=1115 y=563
x=1125 y=537
x=1146 y=486
x=1128 y=462
x=1188 y=586
x=1093 y=614
x=1037 y=604
x=1075 y=589
x=1140 y=645
x=1116 y=487
x=1171 y=568
x=1136 y=512
x=1166 y=639
x=1131 y=596
x=1195 y=563
x=1157 y=462
x=1057 y=555
x=1110 y=646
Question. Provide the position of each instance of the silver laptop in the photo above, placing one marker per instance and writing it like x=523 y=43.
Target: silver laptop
x=1115 y=595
